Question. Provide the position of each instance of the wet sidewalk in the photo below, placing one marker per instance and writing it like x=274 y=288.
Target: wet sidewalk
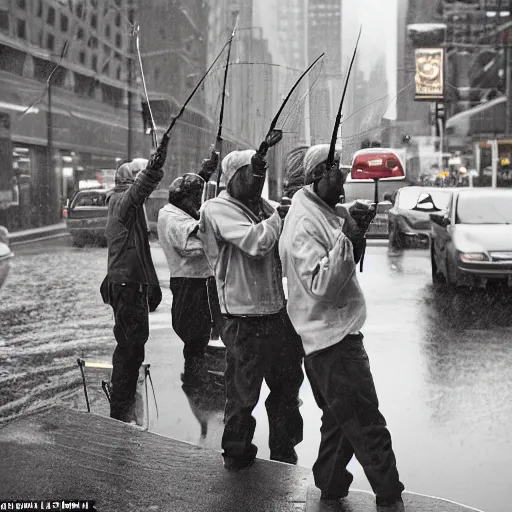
x=68 y=455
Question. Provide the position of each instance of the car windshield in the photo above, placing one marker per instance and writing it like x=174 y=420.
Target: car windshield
x=484 y=209
x=89 y=199
x=418 y=199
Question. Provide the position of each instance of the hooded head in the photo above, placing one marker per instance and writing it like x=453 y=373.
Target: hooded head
x=240 y=182
x=328 y=185
x=186 y=193
x=127 y=172
x=294 y=171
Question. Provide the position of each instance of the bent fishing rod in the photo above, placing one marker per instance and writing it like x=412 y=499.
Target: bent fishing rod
x=187 y=101
x=218 y=143
x=332 y=148
x=272 y=133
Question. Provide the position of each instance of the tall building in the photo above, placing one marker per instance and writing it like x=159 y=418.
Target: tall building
x=250 y=86
x=82 y=102
x=174 y=53
x=291 y=26
x=324 y=35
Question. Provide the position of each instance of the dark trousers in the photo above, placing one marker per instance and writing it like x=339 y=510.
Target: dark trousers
x=131 y=330
x=216 y=313
x=343 y=387
x=260 y=348
x=191 y=318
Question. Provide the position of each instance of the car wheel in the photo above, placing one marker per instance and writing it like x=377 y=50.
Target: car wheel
x=437 y=277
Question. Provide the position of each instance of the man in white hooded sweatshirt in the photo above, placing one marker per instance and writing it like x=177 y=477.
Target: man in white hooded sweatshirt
x=240 y=233
x=327 y=308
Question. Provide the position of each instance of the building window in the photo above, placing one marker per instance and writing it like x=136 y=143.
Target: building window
x=63 y=23
x=79 y=10
x=50 y=18
x=118 y=3
x=21 y=29
x=94 y=21
x=50 y=42
x=81 y=57
x=118 y=73
x=118 y=20
x=95 y=62
x=118 y=40
x=22 y=4
x=80 y=33
x=107 y=31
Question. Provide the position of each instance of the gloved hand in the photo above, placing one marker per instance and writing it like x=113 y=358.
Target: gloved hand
x=363 y=214
x=271 y=139
x=209 y=166
x=158 y=158
x=259 y=164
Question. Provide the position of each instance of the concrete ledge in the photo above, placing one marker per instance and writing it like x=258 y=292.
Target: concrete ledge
x=65 y=454
x=37 y=234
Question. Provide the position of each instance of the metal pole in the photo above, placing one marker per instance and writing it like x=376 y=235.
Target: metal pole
x=508 y=80
x=441 y=143
x=49 y=148
x=494 y=145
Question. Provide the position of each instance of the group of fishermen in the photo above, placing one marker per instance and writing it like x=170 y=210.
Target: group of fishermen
x=227 y=258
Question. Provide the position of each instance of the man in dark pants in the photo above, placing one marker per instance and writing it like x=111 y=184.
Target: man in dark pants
x=240 y=231
x=130 y=273
x=327 y=308
x=178 y=224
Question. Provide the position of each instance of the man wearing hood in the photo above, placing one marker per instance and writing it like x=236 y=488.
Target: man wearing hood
x=178 y=225
x=240 y=233
x=327 y=308
x=130 y=274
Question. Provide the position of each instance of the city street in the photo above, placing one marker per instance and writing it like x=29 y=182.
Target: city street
x=441 y=364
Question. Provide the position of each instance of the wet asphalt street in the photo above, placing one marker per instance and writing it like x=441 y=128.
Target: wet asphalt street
x=441 y=363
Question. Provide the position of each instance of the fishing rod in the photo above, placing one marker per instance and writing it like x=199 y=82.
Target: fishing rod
x=332 y=148
x=153 y=125
x=175 y=118
x=218 y=143
x=273 y=134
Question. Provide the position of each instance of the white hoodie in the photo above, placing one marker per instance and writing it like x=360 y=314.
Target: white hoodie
x=325 y=301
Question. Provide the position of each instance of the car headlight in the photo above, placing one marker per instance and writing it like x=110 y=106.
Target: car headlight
x=473 y=257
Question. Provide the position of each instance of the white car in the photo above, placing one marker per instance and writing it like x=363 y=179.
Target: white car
x=471 y=244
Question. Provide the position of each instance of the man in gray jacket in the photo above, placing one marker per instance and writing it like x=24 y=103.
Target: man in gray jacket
x=240 y=232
